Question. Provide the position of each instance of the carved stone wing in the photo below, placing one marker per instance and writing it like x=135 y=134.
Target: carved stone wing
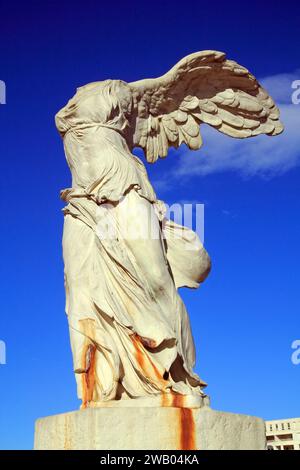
x=203 y=87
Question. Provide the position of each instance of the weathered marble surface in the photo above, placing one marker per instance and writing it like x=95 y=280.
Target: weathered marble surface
x=156 y=428
x=129 y=329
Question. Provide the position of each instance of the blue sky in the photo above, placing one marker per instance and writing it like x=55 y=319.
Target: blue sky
x=246 y=315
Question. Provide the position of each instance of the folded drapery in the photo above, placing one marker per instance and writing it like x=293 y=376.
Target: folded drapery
x=135 y=342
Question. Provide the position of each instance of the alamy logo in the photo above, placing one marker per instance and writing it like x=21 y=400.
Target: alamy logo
x=2 y=92
x=185 y=219
x=296 y=93
x=296 y=354
x=2 y=353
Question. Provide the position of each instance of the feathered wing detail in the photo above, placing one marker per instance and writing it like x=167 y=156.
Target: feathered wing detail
x=202 y=88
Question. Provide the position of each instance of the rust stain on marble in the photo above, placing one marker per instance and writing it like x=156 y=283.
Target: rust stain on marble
x=187 y=429
x=90 y=374
x=172 y=399
x=88 y=377
x=138 y=352
x=186 y=423
x=88 y=362
x=145 y=362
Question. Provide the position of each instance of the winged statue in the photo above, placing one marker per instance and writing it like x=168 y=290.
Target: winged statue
x=124 y=260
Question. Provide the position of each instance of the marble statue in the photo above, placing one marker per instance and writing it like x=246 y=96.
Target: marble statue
x=129 y=329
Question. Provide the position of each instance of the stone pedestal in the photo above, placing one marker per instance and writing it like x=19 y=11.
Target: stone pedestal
x=149 y=428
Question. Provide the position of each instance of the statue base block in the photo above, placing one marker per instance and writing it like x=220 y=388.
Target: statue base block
x=160 y=428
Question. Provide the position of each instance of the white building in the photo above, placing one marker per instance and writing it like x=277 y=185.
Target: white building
x=283 y=434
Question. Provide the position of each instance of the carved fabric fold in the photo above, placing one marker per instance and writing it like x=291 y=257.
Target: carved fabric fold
x=143 y=342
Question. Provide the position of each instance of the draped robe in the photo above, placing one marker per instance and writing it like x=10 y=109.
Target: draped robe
x=129 y=329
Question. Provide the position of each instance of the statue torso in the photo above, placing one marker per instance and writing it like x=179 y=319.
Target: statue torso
x=93 y=129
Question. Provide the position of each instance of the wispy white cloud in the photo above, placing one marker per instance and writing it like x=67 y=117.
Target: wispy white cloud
x=280 y=85
x=263 y=155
